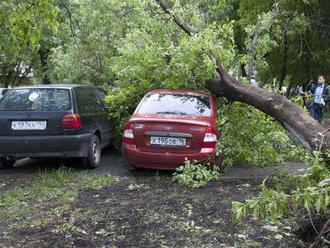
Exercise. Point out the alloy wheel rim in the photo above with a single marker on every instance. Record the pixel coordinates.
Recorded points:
(96, 152)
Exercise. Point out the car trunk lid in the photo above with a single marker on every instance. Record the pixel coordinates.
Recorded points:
(186, 132)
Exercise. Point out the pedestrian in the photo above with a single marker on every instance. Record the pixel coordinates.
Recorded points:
(320, 92)
(309, 85)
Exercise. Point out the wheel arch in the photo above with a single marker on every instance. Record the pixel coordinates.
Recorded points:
(98, 133)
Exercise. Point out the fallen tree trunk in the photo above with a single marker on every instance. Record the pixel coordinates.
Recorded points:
(295, 119)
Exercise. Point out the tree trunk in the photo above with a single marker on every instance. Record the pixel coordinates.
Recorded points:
(309, 132)
(284, 61)
(43, 54)
(10, 73)
(240, 47)
(289, 89)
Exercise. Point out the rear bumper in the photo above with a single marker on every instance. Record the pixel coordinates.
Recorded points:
(164, 161)
(59, 146)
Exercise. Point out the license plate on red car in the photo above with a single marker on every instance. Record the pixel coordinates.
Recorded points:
(167, 141)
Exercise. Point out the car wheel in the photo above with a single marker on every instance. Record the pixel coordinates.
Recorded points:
(93, 159)
(8, 164)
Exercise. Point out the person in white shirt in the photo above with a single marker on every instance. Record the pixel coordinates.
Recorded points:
(320, 91)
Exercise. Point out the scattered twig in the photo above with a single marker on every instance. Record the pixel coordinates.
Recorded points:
(320, 237)
(312, 222)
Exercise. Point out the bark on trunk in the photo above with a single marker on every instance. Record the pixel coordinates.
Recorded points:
(43, 54)
(240, 47)
(284, 61)
(309, 132)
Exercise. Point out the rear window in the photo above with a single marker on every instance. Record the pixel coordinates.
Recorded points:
(36, 100)
(175, 104)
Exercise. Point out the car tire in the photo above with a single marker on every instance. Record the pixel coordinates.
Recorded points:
(93, 159)
(8, 164)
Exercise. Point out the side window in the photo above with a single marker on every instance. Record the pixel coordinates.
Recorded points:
(86, 100)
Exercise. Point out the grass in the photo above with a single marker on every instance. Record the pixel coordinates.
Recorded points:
(59, 185)
(135, 212)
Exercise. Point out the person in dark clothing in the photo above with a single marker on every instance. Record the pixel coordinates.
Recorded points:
(309, 85)
(320, 91)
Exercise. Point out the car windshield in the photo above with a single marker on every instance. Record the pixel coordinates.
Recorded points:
(175, 104)
(36, 100)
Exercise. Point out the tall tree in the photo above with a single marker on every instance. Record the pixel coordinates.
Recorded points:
(22, 26)
(133, 43)
(297, 121)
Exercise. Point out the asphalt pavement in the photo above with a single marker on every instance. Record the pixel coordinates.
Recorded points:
(113, 164)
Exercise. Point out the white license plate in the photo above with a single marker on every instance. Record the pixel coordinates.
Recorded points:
(167, 141)
(28, 125)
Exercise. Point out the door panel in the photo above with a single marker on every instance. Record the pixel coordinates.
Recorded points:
(105, 120)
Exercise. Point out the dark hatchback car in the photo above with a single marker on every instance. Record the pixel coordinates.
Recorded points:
(58, 121)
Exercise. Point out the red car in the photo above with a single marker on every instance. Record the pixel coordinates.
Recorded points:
(169, 126)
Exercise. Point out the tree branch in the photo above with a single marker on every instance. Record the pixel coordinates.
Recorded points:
(182, 24)
(252, 46)
(319, 238)
(23, 76)
(70, 19)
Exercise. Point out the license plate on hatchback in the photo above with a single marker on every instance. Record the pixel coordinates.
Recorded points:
(28, 125)
(167, 141)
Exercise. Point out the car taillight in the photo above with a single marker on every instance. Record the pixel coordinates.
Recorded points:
(128, 137)
(71, 121)
(210, 138)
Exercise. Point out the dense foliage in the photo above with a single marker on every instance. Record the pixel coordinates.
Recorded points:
(195, 175)
(25, 27)
(259, 140)
(111, 42)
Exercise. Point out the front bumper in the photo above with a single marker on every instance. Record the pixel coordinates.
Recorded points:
(164, 161)
(58, 146)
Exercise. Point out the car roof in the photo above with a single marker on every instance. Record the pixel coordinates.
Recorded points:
(192, 92)
(55, 86)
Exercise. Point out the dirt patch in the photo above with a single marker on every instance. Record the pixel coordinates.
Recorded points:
(150, 212)
(9, 180)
